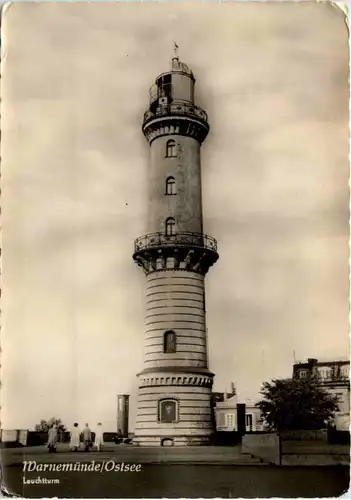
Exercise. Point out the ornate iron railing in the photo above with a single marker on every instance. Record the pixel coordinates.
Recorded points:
(176, 108)
(179, 239)
(332, 378)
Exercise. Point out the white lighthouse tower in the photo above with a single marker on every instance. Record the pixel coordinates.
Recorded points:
(174, 399)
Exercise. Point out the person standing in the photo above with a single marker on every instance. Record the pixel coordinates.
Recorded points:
(74, 438)
(87, 437)
(331, 430)
(52, 438)
(99, 437)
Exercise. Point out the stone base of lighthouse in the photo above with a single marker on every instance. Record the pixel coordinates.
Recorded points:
(175, 388)
(191, 393)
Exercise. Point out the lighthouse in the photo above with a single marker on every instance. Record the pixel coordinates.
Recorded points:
(175, 385)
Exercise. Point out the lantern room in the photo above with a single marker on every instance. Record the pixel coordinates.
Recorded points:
(176, 85)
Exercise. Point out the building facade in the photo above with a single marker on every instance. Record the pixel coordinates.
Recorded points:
(333, 376)
(174, 397)
(226, 413)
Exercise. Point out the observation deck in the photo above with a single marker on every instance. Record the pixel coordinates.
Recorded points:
(176, 117)
(177, 108)
(185, 239)
(195, 251)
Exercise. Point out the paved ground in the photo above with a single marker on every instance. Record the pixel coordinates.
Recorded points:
(180, 472)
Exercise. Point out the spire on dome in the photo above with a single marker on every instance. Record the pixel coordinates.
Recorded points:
(175, 48)
(177, 65)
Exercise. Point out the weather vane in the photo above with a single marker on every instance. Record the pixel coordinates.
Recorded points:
(175, 49)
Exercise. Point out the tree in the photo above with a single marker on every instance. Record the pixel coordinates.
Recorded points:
(296, 404)
(45, 425)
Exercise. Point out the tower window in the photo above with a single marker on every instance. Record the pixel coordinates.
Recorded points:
(169, 342)
(168, 410)
(164, 84)
(171, 149)
(170, 226)
(171, 186)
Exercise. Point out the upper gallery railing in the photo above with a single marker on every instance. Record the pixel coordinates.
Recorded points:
(176, 108)
(179, 239)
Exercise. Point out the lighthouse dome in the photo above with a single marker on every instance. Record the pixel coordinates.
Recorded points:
(180, 67)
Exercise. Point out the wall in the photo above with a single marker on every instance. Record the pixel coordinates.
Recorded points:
(343, 395)
(342, 422)
(22, 437)
(264, 446)
(194, 415)
(225, 417)
(186, 206)
(295, 448)
(175, 301)
(320, 435)
(15, 436)
(37, 438)
(8, 436)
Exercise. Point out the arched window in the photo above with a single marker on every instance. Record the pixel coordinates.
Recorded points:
(169, 342)
(171, 149)
(171, 185)
(170, 226)
(168, 410)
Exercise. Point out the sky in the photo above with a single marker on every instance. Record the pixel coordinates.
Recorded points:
(273, 78)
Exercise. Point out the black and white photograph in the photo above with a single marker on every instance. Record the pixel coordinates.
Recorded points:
(175, 250)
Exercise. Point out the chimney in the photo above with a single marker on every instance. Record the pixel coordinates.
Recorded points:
(123, 414)
(312, 361)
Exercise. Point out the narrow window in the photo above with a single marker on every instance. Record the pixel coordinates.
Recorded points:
(167, 410)
(170, 226)
(230, 420)
(171, 186)
(169, 342)
(249, 422)
(171, 149)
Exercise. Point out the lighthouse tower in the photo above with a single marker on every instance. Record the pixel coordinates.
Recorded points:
(174, 399)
